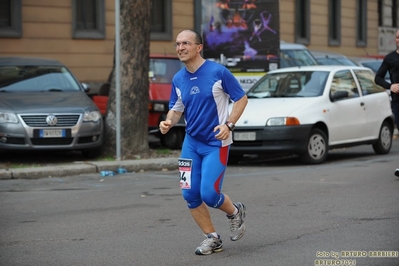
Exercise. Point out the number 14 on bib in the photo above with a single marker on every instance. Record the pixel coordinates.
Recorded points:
(185, 173)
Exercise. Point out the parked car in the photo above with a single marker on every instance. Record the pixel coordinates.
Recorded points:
(295, 54)
(161, 71)
(311, 109)
(44, 107)
(291, 54)
(372, 63)
(330, 58)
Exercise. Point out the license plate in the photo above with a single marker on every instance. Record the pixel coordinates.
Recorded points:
(52, 133)
(244, 136)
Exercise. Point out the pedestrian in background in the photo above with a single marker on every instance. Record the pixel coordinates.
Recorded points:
(203, 91)
(391, 64)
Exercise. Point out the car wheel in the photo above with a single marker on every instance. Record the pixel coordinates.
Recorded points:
(384, 142)
(92, 153)
(317, 148)
(173, 139)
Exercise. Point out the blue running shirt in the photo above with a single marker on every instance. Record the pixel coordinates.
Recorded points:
(204, 98)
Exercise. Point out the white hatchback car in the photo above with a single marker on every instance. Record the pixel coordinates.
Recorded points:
(309, 110)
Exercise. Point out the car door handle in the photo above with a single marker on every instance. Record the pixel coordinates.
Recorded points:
(362, 104)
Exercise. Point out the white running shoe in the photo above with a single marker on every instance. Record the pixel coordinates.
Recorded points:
(237, 226)
(209, 245)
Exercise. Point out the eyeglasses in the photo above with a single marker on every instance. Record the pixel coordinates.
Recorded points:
(185, 44)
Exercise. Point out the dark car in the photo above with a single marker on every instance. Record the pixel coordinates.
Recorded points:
(330, 58)
(44, 107)
(372, 63)
(295, 54)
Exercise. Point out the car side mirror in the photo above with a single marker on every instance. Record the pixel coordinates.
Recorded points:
(338, 95)
(86, 87)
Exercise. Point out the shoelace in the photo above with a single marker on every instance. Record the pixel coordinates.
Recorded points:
(209, 241)
(235, 222)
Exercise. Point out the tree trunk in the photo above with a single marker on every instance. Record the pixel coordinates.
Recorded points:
(134, 67)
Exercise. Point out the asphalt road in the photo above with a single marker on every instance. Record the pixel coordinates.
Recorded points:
(345, 210)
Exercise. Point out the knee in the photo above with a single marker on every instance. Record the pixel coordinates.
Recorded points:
(213, 200)
(193, 199)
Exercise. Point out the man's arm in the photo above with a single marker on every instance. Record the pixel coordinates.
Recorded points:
(238, 109)
(236, 112)
(171, 119)
(380, 76)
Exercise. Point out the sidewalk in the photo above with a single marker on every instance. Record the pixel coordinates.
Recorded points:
(89, 167)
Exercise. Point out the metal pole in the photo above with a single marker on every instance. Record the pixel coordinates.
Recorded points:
(117, 80)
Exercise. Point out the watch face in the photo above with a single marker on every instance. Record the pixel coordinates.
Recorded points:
(230, 125)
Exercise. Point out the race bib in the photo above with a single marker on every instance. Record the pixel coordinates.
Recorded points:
(185, 173)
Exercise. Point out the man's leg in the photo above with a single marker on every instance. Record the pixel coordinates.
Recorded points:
(213, 242)
(227, 206)
(395, 111)
(202, 217)
(213, 168)
(197, 207)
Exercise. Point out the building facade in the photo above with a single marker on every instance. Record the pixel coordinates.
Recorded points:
(80, 33)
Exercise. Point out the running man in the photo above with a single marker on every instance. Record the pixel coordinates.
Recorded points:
(203, 90)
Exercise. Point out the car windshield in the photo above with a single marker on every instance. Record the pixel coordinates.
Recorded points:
(162, 70)
(290, 84)
(293, 57)
(36, 79)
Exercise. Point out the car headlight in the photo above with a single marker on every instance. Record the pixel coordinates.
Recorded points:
(283, 121)
(89, 116)
(8, 118)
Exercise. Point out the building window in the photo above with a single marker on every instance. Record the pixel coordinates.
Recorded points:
(361, 31)
(395, 13)
(10, 19)
(334, 22)
(302, 22)
(380, 14)
(388, 13)
(88, 20)
(161, 20)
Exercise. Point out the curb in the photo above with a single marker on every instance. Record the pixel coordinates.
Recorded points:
(91, 167)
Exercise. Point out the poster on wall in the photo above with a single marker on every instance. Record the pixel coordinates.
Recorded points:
(242, 35)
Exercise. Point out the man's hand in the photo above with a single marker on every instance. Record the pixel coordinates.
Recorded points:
(224, 132)
(164, 126)
(395, 88)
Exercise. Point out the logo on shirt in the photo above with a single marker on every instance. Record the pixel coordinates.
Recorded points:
(194, 90)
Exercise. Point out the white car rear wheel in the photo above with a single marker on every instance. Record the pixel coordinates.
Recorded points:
(384, 142)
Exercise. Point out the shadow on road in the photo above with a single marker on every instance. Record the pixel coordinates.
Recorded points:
(293, 160)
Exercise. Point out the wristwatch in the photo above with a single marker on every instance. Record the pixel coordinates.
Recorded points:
(230, 125)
